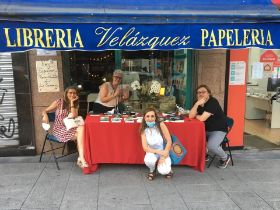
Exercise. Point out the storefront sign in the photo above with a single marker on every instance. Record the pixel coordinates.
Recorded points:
(19, 36)
(269, 56)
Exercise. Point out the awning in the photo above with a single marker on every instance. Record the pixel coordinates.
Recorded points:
(136, 25)
(144, 11)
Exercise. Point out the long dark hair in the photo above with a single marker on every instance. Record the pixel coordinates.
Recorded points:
(66, 102)
(143, 124)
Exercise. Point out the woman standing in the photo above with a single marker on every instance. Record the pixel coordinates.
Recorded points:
(208, 110)
(64, 107)
(153, 134)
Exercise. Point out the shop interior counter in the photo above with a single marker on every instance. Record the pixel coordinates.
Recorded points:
(258, 106)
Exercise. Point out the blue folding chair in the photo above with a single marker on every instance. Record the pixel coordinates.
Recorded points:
(52, 139)
(225, 142)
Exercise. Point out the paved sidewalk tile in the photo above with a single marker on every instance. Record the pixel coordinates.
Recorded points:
(252, 183)
(249, 200)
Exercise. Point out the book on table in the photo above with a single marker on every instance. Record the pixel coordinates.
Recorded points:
(104, 119)
(129, 120)
(116, 120)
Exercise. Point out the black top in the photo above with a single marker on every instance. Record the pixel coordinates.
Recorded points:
(217, 121)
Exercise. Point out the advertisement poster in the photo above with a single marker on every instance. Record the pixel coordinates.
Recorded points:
(237, 73)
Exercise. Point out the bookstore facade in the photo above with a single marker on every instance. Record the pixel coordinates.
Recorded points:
(178, 45)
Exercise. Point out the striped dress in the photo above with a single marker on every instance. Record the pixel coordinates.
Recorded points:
(59, 130)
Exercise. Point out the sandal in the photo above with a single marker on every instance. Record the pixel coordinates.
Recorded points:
(82, 164)
(169, 175)
(151, 176)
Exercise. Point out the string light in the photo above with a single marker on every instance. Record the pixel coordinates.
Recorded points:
(101, 58)
(96, 59)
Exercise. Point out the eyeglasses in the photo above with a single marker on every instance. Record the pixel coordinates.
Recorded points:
(201, 92)
(116, 77)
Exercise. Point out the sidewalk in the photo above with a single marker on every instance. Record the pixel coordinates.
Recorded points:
(252, 183)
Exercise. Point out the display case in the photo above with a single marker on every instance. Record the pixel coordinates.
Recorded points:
(146, 67)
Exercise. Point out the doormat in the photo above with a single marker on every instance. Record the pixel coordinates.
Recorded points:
(256, 142)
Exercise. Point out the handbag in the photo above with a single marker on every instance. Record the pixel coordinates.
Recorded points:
(177, 151)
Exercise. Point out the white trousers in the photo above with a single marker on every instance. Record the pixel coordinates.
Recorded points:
(151, 159)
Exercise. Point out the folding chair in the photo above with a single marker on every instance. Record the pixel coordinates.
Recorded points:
(225, 142)
(52, 139)
(91, 98)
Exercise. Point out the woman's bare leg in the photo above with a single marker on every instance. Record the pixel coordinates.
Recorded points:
(80, 143)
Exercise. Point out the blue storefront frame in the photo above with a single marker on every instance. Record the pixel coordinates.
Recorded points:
(134, 25)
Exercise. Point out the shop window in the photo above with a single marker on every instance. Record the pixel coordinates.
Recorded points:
(147, 65)
(169, 68)
(88, 70)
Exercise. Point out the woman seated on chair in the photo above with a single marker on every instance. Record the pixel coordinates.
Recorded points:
(63, 107)
(208, 110)
(154, 134)
(110, 94)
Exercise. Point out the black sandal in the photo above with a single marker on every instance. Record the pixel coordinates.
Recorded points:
(151, 176)
(169, 175)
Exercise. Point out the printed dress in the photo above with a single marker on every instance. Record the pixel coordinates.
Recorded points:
(59, 130)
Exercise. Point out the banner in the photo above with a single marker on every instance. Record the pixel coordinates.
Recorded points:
(21, 36)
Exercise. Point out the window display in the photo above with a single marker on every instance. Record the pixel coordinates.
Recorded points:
(147, 72)
(155, 78)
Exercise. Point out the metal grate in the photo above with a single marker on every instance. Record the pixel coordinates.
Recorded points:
(8, 110)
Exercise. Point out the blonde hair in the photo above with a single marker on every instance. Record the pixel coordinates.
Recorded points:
(118, 73)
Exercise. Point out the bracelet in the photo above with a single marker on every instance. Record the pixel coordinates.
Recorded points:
(72, 107)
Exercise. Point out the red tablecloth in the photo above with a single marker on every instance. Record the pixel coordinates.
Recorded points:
(107, 142)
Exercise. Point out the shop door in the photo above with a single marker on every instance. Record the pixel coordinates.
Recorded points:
(262, 115)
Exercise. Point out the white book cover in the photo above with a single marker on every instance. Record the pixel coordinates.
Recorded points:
(178, 121)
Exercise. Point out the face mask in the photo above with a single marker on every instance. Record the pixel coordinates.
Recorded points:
(151, 124)
(46, 126)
